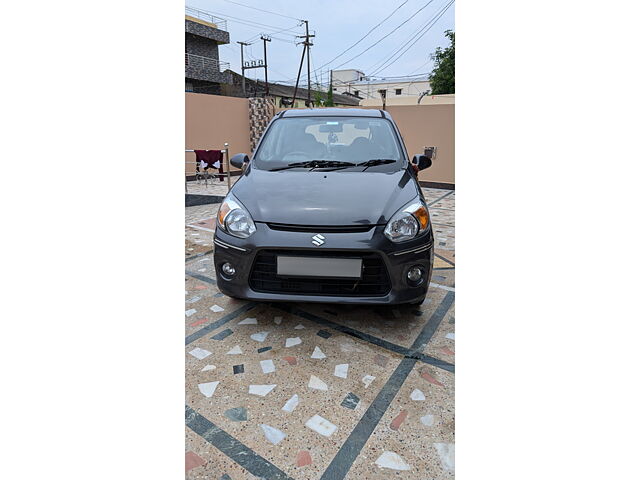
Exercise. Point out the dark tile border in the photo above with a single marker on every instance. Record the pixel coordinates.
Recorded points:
(342, 462)
(411, 353)
(444, 186)
(193, 200)
(218, 323)
(440, 198)
(232, 448)
(202, 278)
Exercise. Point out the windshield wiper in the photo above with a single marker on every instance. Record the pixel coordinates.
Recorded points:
(315, 164)
(374, 161)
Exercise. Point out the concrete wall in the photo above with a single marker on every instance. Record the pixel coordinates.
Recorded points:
(425, 126)
(205, 29)
(370, 89)
(413, 100)
(212, 120)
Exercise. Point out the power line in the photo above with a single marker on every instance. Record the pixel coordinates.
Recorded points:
(260, 9)
(362, 38)
(434, 21)
(241, 20)
(386, 36)
(406, 40)
(272, 33)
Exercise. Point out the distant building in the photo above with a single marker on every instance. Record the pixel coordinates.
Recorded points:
(355, 82)
(204, 72)
(282, 95)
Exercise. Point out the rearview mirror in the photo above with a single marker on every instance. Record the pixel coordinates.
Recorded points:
(331, 127)
(421, 161)
(239, 159)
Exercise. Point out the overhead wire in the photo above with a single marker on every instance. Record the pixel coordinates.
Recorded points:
(432, 24)
(260, 9)
(411, 36)
(243, 20)
(363, 37)
(385, 36)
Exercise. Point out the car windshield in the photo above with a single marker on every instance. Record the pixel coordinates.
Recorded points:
(335, 143)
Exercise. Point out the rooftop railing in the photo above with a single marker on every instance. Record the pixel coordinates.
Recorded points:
(205, 63)
(220, 23)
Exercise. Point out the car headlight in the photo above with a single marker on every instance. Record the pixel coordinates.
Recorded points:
(234, 219)
(408, 222)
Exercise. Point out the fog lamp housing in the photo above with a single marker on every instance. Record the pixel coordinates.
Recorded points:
(228, 269)
(415, 275)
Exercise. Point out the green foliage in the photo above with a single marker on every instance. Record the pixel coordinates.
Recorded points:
(317, 99)
(329, 101)
(443, 76)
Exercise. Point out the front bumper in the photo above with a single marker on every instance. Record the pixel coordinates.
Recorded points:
(397, 258)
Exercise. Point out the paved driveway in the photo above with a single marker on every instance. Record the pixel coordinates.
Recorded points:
(318, 391)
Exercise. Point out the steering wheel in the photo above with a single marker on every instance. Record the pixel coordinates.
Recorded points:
(298, 153)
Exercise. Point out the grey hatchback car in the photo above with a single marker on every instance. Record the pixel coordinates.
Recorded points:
(329, 209)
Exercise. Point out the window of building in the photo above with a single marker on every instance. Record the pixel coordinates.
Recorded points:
(356, 92)
(398, 91)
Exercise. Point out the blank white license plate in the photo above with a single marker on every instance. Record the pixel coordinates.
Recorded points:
(319, 267)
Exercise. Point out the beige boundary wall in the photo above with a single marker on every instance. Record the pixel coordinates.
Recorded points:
(429, 126)
(212, 120)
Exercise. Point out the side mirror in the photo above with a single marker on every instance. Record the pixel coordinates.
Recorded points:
(239, 159)
(421, 161)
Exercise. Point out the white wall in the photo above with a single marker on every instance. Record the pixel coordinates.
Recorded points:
(370, 89)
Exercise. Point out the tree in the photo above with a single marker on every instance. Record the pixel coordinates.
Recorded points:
(443, 76)
(329, 101)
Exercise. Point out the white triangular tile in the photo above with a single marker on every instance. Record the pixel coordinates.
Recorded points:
(200, 353)
(291, 404)
(317, 353)
(315, 382)
(260, 390)
(208, 389)
(417, 395)
(367, 379)
(341, 370)
(249, 321)
(260, 336)
(267, 366)
(321, 425)
(272, 434)
(393, 461)
(291, 342)
(446, 451)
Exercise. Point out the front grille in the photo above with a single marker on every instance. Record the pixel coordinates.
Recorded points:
(374, 282)
(321, 228)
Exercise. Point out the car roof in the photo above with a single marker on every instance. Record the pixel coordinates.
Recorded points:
(334, 112)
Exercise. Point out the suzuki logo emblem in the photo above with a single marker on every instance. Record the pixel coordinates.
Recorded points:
(317, 240)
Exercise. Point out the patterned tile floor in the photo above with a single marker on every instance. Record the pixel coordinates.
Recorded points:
(318, 391)
(212, 187)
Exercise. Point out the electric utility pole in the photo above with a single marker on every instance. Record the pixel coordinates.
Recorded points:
(242, 45)
(295, 90)
(265, 39)
(254, 64)
(307, 45)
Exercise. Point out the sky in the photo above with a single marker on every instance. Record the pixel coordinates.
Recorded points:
(337, 24)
